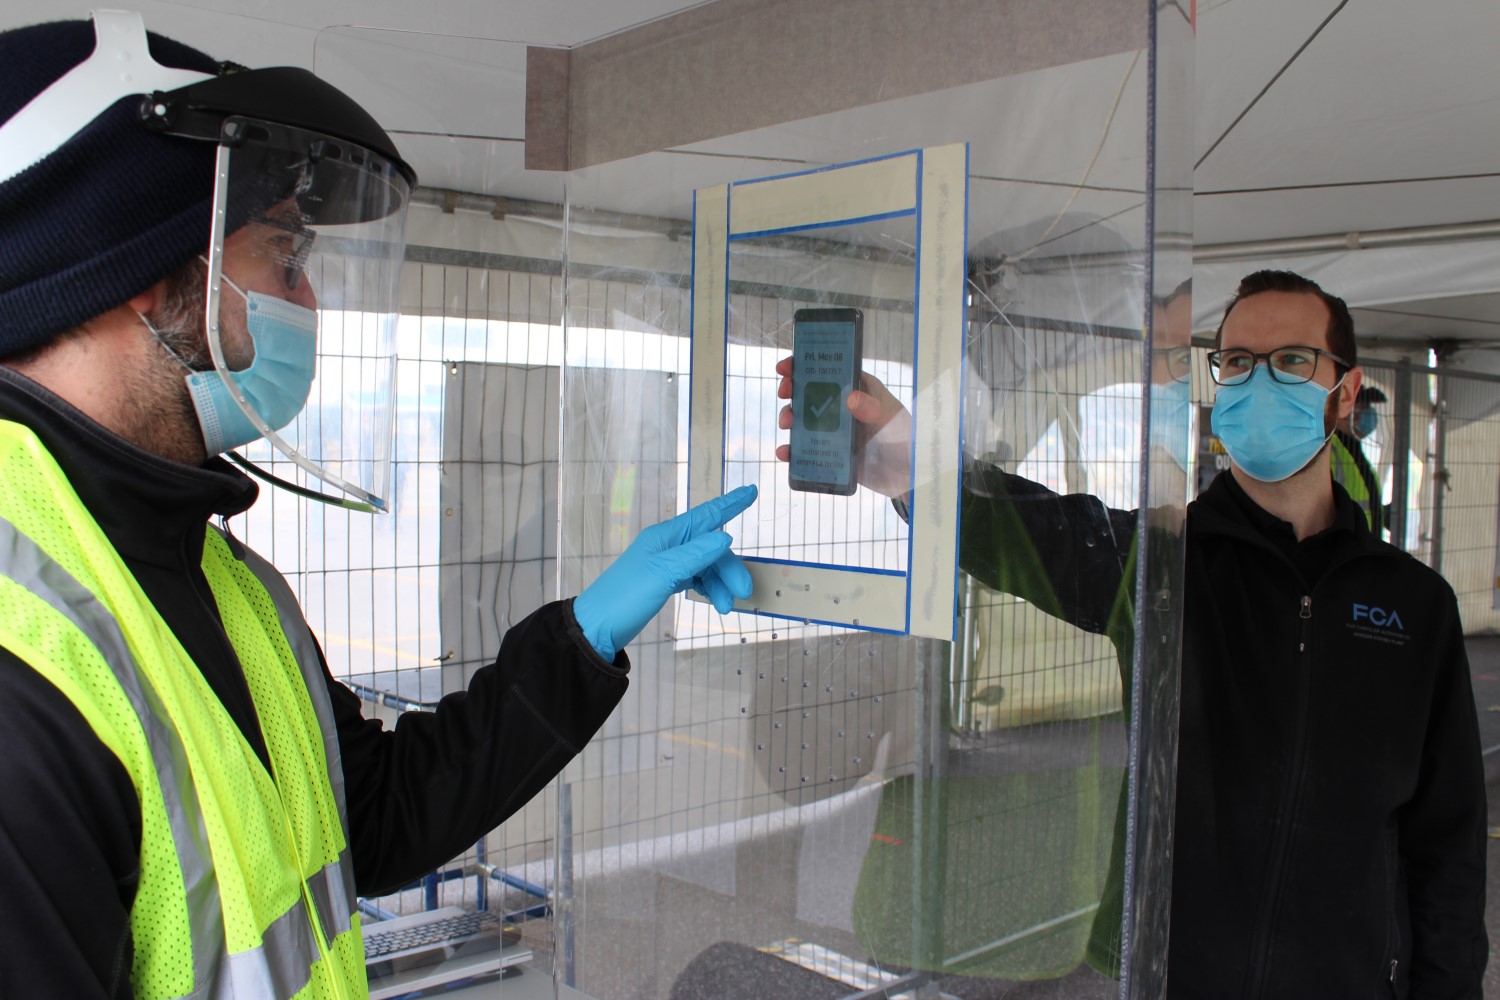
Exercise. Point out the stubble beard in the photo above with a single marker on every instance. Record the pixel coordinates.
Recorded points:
(156, 408)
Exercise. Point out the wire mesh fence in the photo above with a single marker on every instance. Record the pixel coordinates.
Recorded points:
(741, 722)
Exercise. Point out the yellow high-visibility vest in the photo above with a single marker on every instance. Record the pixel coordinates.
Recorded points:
(1347, 473)
(246, 884)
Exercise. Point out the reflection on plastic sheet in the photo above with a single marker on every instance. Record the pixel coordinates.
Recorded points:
(782, 807)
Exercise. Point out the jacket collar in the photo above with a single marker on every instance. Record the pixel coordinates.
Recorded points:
(149, 507)
(1226, 509)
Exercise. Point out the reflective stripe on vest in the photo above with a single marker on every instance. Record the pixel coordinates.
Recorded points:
(70, 609)
(23, 562)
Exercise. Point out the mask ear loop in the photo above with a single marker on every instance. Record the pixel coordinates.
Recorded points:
(365, 501)
(1329, 436)
(156, 335)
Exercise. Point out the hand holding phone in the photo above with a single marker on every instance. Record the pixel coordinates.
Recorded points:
(827, 355)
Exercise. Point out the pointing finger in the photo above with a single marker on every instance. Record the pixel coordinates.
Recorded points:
(713, 514)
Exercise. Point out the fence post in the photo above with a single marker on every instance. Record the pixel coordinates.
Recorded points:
(1401, 453)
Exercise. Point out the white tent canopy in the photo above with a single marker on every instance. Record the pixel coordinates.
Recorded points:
(1368, 124)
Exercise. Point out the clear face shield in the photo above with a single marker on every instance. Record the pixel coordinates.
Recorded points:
(304, 268)
(304, 258)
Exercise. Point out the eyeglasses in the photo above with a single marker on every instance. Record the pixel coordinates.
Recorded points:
(1289, 365)
(1178, 361)
(290, 250)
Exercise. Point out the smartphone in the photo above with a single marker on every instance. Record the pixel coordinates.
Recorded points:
(827, 357)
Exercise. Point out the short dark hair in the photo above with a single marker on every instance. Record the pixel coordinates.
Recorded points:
(1340, 323)
(1369, 396)
(1185, 287)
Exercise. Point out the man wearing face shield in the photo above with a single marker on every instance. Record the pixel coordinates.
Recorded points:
(192, 803)
(1351, 467)
(1329, 836)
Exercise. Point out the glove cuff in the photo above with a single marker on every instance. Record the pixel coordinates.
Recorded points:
(594, 628)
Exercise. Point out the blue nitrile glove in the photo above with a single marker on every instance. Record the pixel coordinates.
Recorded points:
(665, 559)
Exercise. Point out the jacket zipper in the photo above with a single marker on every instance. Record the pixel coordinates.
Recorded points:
(1259, 957)
(1393, 933)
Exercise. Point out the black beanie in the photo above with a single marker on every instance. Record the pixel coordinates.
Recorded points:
(108, 214)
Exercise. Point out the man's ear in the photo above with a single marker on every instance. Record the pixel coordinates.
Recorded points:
(1349, 390)
(146, 302)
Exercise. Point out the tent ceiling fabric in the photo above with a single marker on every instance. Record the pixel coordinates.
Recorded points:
(1389, 117)
(1387, 92)
(1403, 297)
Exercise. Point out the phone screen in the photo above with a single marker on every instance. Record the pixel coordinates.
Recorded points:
(827, 348)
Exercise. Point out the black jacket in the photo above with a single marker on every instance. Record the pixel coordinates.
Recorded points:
(1330, 812)
(418, 795)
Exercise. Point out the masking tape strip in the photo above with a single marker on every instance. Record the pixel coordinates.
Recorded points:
(934, 184)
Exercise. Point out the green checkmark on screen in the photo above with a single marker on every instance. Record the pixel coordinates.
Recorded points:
(820, 406)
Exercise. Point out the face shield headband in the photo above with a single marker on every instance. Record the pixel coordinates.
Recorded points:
(120, 66)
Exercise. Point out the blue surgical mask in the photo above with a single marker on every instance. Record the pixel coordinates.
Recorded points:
(1270, 429)
(1365, 422)
(276, 384)
(1171, 411)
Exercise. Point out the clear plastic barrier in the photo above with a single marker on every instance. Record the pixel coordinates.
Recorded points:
(792, 808)
(786, 805)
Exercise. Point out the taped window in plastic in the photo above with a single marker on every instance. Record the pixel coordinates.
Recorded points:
(815, 557)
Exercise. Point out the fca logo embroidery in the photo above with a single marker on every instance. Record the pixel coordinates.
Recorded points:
(1378, 617)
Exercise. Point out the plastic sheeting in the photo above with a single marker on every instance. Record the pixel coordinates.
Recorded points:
(791, 805)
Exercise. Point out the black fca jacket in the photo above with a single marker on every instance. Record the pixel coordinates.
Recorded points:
(1330, 823)
(418, 795)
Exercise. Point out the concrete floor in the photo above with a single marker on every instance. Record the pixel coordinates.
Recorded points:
(1083, 984)
(1484, 668)
(687, 930)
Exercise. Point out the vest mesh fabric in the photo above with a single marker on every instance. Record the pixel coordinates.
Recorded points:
(288, 723)
(265, 841)
(37, 506)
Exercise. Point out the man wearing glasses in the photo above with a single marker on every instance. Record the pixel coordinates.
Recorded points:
(1330, 815)
(1330, 793)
